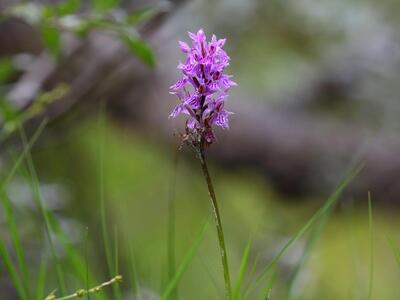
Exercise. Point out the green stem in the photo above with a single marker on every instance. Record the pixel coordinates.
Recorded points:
(218, 223)
(81, 293)
(371, 248)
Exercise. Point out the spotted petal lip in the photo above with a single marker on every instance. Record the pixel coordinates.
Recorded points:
(203, 88)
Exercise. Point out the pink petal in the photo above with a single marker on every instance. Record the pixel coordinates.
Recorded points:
(184, 47)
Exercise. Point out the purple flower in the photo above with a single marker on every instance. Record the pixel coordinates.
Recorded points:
(203, 89)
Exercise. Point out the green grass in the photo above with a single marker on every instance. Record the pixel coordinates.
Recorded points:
(41, 281)
(34, 181)
(396, 250)
(112, 265)
(270, 268)
(12, 271)
(21, 281)
(86, 255)
(242, 271)
(19, 271)
(142, 223)
(184, 264)
(16, 242)
(133, 274)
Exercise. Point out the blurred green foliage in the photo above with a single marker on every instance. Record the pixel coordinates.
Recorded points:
(136, 187)
(69, 16)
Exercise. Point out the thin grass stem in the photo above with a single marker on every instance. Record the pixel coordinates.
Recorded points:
(133, 273)
(116, 289)
(41, 280)
(371, 248)
(86, 254)
(395, 249)
(6, 258)
(16, 240)
(242, 270)
(40, 203)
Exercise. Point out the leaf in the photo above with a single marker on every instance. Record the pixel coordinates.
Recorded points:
(140, 49)
(102, 6)
(140, 15)
(6, 69)
(87, 25)
(7, 112)
(68, 7)
(51, 39)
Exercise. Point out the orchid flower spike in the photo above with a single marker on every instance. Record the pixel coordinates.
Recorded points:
(203, 88)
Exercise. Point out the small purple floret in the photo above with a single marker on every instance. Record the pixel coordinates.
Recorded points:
(203, 89)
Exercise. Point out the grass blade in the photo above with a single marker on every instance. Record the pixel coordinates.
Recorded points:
(317, 216)
(268, 287)
(12, 271)
(9, 214)
(133, 273)
(395, 249)
(117, 291)
(27, 147)
(41, 281)
(16, 240)
(86, 253)
(210, 274)
(22, 289)
(75, 260)
(312, 240)
(371, 248)
(101, 130)
(34, 181)
(185, 264)
(101, 180)
(242, 270)
(251, 274)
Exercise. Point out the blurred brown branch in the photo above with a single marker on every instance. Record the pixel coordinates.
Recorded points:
(300, 154)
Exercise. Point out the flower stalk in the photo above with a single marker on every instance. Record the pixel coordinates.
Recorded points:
(218, 223)
(202, 92)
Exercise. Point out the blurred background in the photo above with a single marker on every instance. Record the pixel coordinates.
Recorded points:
(318, 85)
